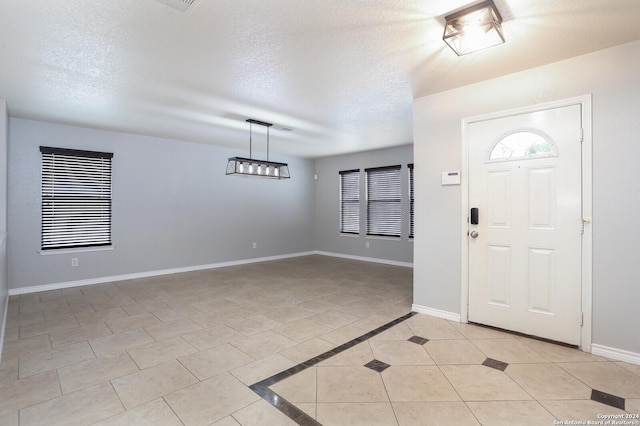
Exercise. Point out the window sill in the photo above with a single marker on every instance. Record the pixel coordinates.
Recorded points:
(347, 234)
(75, 250)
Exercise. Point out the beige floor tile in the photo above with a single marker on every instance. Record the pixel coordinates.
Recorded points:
(511, 351)
(358, 355)
(508, 413)
(48, 327)
(635, 369)
(254, 324)
(606, 377)
(80, 334)
(103, 302)
(11, 333)
(417, 383)
(171, 314)
(582, 410)
(559, 353)
(433, 413)
(262, 344)
(98, 318)
(400, 353)
(133, 322)
(214, 361)
(261, 369)
(141, 308)
(22, 347)
(26, 319)
(632, 406)
(335, 319)
(71, 309)
(307, 350)
(173, 328)
(317, 306)
(397, 332)
(343, 335)
(309, 408)
(8, 370)
(226, 421)
(209, 401)
(43, 306)
(356, 414)
(547, 381)
(288, 314)
(155, 353)
(56, 358)
(119, 342)
(211, 337)
(302, 330)
(481, 383)
(21, 393)
(78, 408)
(432, 328)
(154, 413)
(262, 413)
(473, 331)
(298, 388)
(454, 352)
(350, 384)
(94, 371)
(9, 419)
(146, 385)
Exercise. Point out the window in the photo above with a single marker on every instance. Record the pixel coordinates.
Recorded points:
(410, 200)
(522, 145)
(384, 201)
(350, 201)
(76, 198)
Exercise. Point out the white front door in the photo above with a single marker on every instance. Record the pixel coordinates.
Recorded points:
(525, 250)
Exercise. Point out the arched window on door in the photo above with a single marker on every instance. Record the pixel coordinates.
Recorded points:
(523, 144)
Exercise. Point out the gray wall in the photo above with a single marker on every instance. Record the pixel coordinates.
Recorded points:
(4, 283)
(611, 76)
(328, 237)
(173, 206)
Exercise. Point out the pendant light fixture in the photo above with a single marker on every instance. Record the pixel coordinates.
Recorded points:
(252, 167)
(473, 28)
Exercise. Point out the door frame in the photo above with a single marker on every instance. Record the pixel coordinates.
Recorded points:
(587, 200)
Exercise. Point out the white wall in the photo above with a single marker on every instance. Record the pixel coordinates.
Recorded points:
(173, 206)
(611, 76)
(4, 283)
(328, 237)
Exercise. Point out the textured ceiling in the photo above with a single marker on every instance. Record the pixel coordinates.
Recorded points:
(341, 74)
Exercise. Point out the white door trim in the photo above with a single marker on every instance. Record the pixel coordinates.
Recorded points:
(587, 191)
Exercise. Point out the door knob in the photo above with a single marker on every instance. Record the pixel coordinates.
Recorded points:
(473, 234)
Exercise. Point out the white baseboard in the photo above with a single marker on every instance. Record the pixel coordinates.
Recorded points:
(101, 280)
(366, 259)
(451, 316)
(617, 354)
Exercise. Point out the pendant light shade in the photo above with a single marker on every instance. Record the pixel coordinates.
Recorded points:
(473, 28)
(252, 167)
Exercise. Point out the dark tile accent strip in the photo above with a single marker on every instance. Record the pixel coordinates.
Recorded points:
(607, 398)
(377, 365)
(494, 363)
(290, 410)
(418, 340)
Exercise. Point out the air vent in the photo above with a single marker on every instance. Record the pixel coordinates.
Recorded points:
(184, 6)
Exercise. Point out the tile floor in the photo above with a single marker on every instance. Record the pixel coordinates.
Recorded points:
(310, 340)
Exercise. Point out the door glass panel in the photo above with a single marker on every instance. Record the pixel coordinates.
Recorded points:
(522, 145)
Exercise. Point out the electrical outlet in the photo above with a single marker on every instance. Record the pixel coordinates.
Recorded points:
(74, 262)
(366, 244)
(255, 245)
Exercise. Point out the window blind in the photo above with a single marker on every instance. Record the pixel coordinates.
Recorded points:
(350, 201)
(410, 200)
(384, 201)
(76, 198)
